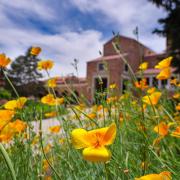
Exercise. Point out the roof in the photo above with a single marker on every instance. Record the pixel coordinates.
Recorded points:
(131, 39)
(155, 71)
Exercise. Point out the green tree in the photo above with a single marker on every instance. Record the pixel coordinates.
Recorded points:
(23, 69)
(170, 27)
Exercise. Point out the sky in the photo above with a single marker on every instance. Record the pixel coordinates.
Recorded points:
(69, 29)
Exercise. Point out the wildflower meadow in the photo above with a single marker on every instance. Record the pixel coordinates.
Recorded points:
(129, 136)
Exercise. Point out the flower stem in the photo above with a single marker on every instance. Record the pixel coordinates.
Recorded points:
(8, 162)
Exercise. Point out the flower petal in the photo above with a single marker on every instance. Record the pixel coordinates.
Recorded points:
(79, 138)
(110, 135)
(100, 154)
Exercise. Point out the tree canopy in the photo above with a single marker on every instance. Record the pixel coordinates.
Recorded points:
(170, 28)
(23, 69)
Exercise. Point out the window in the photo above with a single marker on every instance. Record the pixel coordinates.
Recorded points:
(126, 68)
(155, 82)
(101, 67)
(164, 83)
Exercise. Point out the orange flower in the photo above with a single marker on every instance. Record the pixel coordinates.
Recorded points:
(178, 107)
(46, 65)
(35, 51)
(143, 66)
(5, 117)
(52, 83)
(152, 99)
(176, 96)
(151, 90)
(50, 100)
(91, 115)
(51, 114)
(94, 142)
(161, 129)
(11, 129)
(142, 84)
(165, 175)
(164, 74)
(54, 129)
(113, 86)
(19, 125)
(4, 61)
(15, 104)
(174, 81)
(164, 63)
(176, 133)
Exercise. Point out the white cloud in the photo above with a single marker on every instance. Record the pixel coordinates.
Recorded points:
(126, 15)
(66, 44)
(62, 48)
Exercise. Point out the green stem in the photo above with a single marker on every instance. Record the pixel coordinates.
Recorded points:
(8, 162)
(9, 81)
(44, 154)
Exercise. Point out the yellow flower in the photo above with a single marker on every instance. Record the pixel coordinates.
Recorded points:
(48, 99)
(142, 84)
(151, 90)
(174, 81)
(176, 133)
(113, 86)
(152, 99)
(165, 175)
(143, 66)
(4, 61)
(18, 126)
(51, 114)
(91, 115)
(35, 51)
(5, 117)
(52, 83)
(164, 74)
(164, 63)
(47, 64)
(94, 142)
(15, 104)
(54, 129)
(11, 129)
(176, 96)
(178, 107)
(161, 129)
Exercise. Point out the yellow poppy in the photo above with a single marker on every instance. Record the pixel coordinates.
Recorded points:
(54, 129)
(142, 84)
(165, 175)
(48, 99)
(178, 107)
(176, 133)
(151, 90)
(46, 65)
(113, 86)
(35, 51)
(51, 114)
(5, 117)
(162, 129)
(152, 99)
(176, 96)
(16, 104)
(174, 81)
(52, 83)
(4, 61)
(143, 66)
(164, 74)
(94, 142)
(164, 63)
(18, 126)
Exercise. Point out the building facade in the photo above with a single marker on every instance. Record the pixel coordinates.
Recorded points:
(111, 68)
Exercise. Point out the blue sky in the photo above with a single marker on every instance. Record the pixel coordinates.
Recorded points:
(68, 29)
